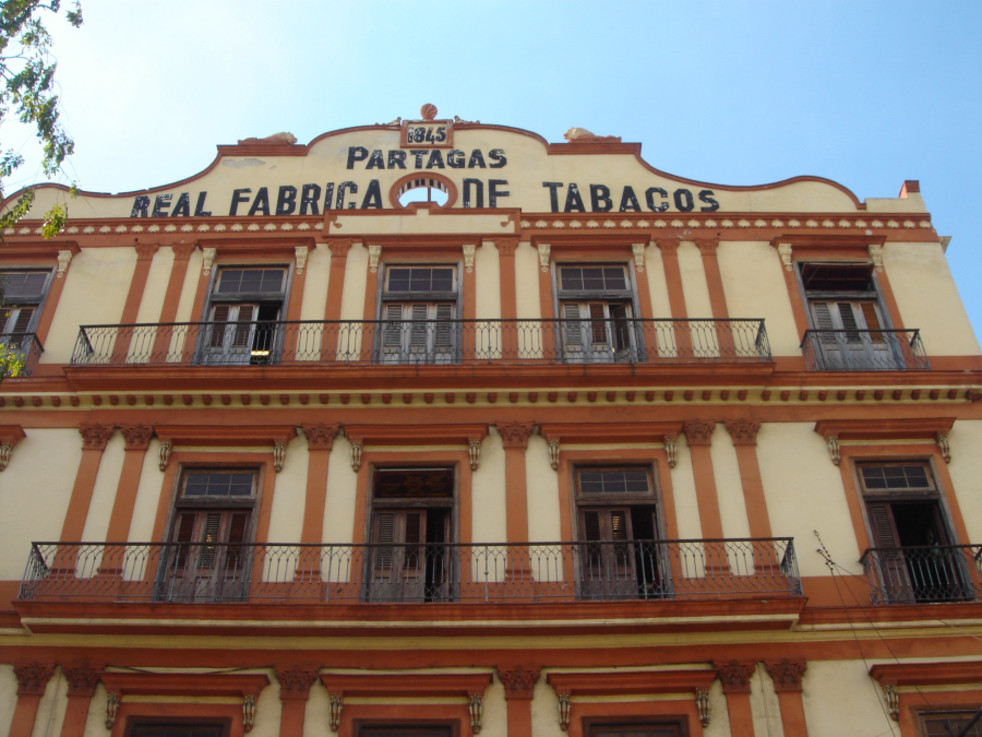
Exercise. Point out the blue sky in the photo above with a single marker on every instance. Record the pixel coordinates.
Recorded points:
(866, 93)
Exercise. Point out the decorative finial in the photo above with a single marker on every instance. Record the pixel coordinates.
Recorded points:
(428, 111)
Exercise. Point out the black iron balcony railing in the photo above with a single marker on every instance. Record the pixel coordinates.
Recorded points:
(452, 572)
(25, 350)
(864, 350)
(926, 573)
(422, 342)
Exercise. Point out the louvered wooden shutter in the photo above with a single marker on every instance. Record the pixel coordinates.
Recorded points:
(219, 315)
(211, 534)
(419, 328)
(443, 337)
(572, 326)
(183, 533)
(23, 320)
(393, 326)
(236, 536)
(872, 321)
(598, 324)
(882, 527)
(243, 328)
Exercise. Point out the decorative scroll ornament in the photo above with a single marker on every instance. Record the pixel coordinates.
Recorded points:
(95, 437)
(834, 451)
(301, 253)
(6, 449)
(356, 449)
(893, 701)
(941, 438)
(374, 257)
(698, 432)
(702, 706)
(475, 709)
(279, 455)
(208, 260)
(474, 453)
(515, 434)
(638, 250)
(544, 249)
(470, 250)
(519, 681)
(64, 258)
(137, 437)
(784, 251)
(32, 678)
(337, 704)
(554, 454)
(876, 255)
(786, 674)
(112, 708)
(165, 449)
(743, 432)
(248, 712)
(564, 708)
(671, 450)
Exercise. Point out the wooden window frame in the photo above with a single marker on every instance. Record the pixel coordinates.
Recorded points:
(133, 723)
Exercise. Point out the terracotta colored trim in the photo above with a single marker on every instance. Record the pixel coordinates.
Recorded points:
(592, 683)
(967, 672)
(468, 283)
(792, 713)
(506, 265)
(126, 490)
(669, 248)
(890, 300)
(415, 685)
(335, 281)
(131, 711)
(620, 432)
(584, 715)
(714, 279)
(226, 435)
(906, 428)
(22, 721)
(515, 437)
(172, 295)
(84, 486)
(417, 434)
(51, 301)
(132, 683)
(371, 309)
(547, 299)
(643, 289)
(320, 441)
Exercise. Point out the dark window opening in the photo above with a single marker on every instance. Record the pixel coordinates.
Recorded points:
(244, 317)
(418, 313)
(951, 724)
(147, 727)
(596, 310)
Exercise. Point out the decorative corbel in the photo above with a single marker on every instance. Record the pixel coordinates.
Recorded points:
(356, 448)
(474, 453)
(833, 442)
(10, 435)
(784, 251)
(248, 712)
(337, 704)
(941, 438)
(6, 449)
(301, 253)
(208, 260)
(671, 450)
(470, 250)
(64, 258)
(638, 250)
(876, 255)
(374, 257)
(544, 249)
(165, 449)
(554, 454)
(279, 455)
(112, 708)
(475, 709)
(702, 706)
(564, 708)
(893, 701)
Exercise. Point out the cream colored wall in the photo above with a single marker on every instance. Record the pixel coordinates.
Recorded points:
(487, 287)
(104, 490)
(654, 272)
(152, 299)
(316, 274)
(186, 303)
(494, 716)
(96, 286)
(342, 488)
(545, 711)
(544, 496)
(268, 710)
(527, 281)
(51, 709)
(719, 720)
(765, 706)
(488, 493)
(148, 495)
(95, 720)
(753, 282)
(928, 298)
(729, 489)
(8, 698)
(36, 488)
(694, 284)
(804, 493)
(356, 276)
(838, 689)
(684, 491)
(965, 440)
(317, 715)
(289, 494)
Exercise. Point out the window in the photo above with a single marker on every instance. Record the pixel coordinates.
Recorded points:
(849, 331)
(950, 724)
(177, 728)
(370, 730)
(914, 557)
(596, 310)
(22, 293)
(209, 558)
(418, 310)
(661, 729)
(411, 558)
(243, 313)
(619, 557)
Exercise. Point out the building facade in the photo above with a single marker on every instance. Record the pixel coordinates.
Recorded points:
(435, 428)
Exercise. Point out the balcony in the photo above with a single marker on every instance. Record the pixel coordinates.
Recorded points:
(864, 350)
(414, 342)
(26, 350)
(375, 574)
(923, 574)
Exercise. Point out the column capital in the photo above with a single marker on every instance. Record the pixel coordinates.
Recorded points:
(32, 678)
(743, 432)
(515, 434)
(295, 682)
(137, 437)
(320, 436)
(183, 251)
(519, 681)
(506, 247)
(146, 251)
(82, 679)
(786, 674)
(706, 246)
(668, 246)
(339, 247)
(735, 676)
(698, 432)
(95, 437)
